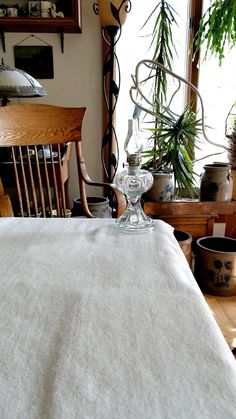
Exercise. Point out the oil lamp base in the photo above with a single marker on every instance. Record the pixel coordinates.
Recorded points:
(134, 220)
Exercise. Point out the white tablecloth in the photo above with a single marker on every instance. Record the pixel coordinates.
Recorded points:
(103, 325)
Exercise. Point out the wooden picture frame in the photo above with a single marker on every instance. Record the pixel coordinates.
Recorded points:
(37, 60)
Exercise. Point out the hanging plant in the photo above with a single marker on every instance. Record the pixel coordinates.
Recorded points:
(217, 28)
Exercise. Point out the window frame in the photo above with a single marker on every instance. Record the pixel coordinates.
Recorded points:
(195, 14)
(192, 65)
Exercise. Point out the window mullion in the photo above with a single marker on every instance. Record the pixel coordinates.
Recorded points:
(195, 14)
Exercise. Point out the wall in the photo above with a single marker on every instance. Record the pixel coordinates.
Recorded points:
(77, 82)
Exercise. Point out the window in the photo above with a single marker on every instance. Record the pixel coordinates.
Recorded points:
(133, 46)
(217, 85)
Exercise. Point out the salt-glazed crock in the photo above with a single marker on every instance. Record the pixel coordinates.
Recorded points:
(216, 182)
(215, 265)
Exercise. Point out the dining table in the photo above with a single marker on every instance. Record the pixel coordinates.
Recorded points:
(100, 324)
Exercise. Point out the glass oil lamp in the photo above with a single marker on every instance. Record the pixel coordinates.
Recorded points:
(230, 132)
(230, 123)
(133, 182)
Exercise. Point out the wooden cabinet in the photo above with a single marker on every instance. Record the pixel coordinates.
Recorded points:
(195, 217)
(71, 22)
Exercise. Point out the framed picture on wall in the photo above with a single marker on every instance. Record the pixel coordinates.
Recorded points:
(34, 8)
(36, 60)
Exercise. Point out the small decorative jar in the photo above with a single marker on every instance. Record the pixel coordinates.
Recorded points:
(216, 183)
(163, 188)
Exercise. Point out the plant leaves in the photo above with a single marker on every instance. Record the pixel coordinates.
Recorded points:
(217, 27)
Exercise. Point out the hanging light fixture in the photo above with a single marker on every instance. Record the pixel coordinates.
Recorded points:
(113, 13)
(17, 83)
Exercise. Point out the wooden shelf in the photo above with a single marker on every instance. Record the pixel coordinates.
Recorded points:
(67, 24)
(20, 24)
(189, 207)
(193, 216)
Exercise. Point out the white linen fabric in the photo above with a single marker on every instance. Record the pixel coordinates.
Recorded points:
(103, 325)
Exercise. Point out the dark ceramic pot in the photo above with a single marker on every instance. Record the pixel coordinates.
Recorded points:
(215, 265)
(98, 206)
(185, 241)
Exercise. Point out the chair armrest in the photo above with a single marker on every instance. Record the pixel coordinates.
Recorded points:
(119, 196)
(5, 203)
(1, 188)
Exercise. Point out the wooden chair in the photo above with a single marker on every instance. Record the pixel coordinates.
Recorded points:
(39, 144)
(5, 203)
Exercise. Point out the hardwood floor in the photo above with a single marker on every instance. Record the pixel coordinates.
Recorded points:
(224, 309)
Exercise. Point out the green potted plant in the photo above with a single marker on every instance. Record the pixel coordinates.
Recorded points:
(172, 135)
(174, 138)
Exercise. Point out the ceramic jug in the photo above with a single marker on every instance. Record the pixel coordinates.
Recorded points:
(47, 9)
(216, 183)
(163, 188)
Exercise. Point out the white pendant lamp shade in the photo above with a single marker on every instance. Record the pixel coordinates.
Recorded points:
(17, 83)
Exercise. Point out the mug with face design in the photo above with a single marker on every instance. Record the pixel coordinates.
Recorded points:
(3, 12)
